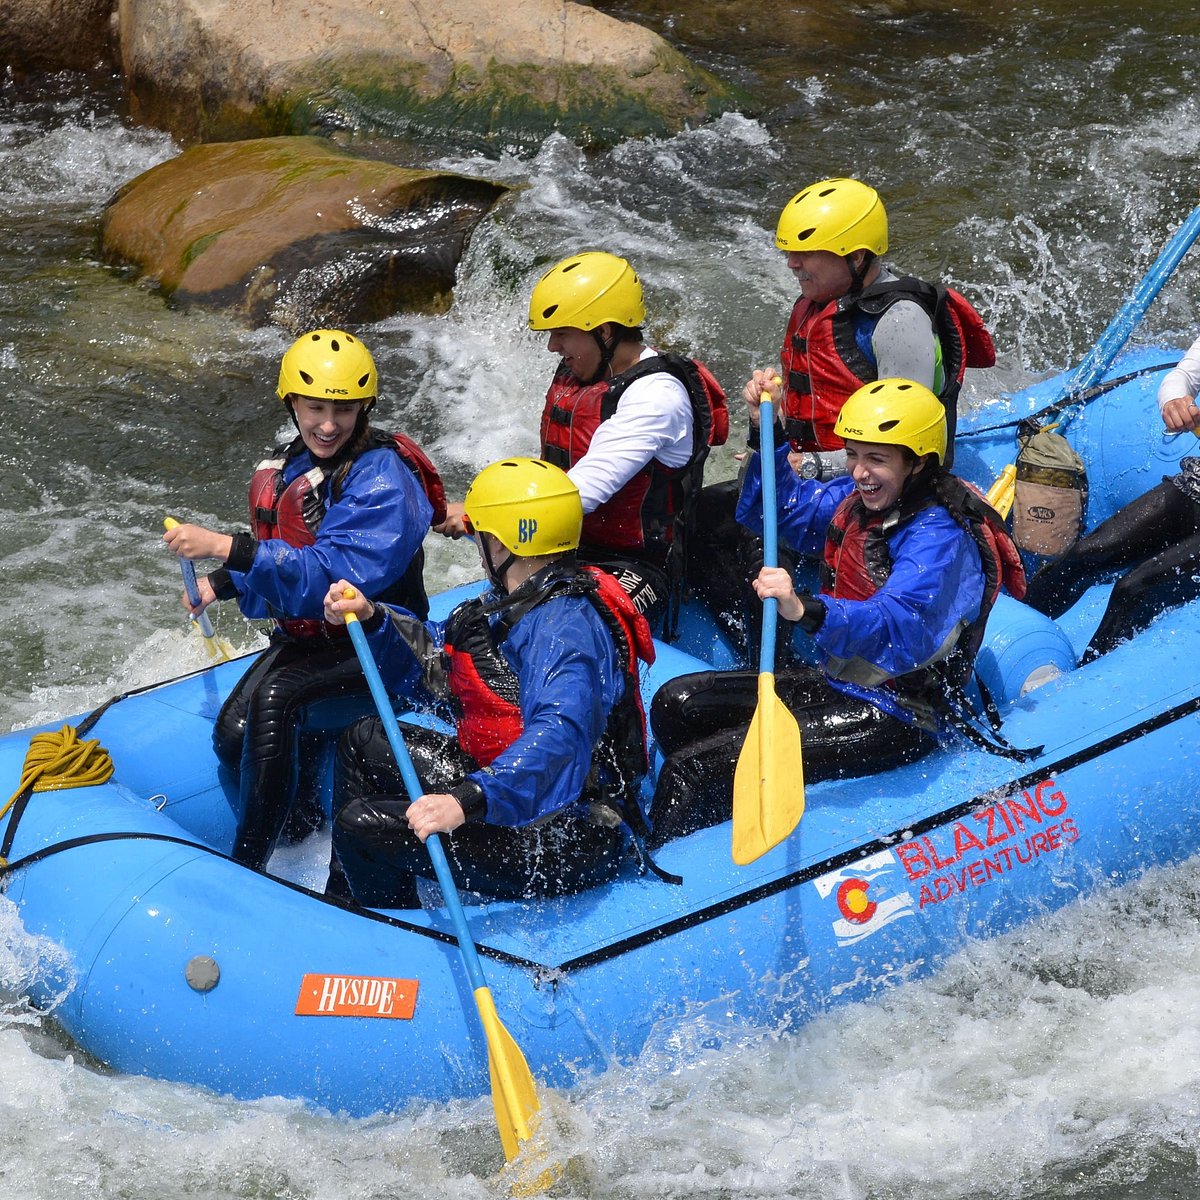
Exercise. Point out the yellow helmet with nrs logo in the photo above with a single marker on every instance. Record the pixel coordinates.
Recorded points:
(838, 215)
(328, 364)
(585, 291)
(531, 507)
(895, 412)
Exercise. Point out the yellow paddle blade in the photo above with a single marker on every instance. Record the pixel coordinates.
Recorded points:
(768, 785)
(217, 647)
(1003, 492)
(514, 1097)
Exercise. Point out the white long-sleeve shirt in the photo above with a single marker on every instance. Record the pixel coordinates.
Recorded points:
(653, 420)
(1183, 379)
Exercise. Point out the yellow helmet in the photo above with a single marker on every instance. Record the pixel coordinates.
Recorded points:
(328, 364)
(586, 290)
(895, 412)
(531, 507)
(838, 215)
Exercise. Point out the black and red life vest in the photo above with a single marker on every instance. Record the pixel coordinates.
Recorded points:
(486, 690)
(857, 562)
(642, 516)
(825, 354)
(293, 513)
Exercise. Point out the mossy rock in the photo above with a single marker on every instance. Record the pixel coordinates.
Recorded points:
(507, 106)
(489, 74)
(295, 231)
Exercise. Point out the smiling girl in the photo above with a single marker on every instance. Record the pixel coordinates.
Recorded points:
(911, 562)
(341, 501)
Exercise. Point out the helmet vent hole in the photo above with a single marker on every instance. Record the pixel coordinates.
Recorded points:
(547, 313)
(307, 378)
(570, 267)
(805, 234)
(362, 380)
(334, 344)
(887, 426)
(827, 192)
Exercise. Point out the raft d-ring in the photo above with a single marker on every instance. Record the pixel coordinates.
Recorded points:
(162, 801)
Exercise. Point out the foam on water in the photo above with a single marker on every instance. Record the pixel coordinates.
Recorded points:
(76, 162)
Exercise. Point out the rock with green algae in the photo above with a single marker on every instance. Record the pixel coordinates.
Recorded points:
(294, 231)
(487, 72)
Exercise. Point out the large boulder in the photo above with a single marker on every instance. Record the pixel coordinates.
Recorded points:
(55, 35)
(295, 231)
(485, 71)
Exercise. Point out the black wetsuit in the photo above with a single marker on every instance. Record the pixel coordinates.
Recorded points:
(1160, 533)
(260, 736)
(376, 860)
(700, 722)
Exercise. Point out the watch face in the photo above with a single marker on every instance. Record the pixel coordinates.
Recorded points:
(810, 468)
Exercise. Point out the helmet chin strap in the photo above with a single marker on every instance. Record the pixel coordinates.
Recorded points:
(607, 350)
(916, 479)
(858, 275)
(496, 573)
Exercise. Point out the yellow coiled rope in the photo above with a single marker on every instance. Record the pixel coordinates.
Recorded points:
(60, 760)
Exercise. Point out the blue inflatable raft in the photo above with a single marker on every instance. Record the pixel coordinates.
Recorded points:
(186, 966)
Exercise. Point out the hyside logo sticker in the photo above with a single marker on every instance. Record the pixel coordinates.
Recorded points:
(862, 893)
(356, 996)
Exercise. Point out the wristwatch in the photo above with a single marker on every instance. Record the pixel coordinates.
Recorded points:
(810, 466)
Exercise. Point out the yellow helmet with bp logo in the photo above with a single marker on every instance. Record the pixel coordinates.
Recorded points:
(895, 412)
(531, 507)
(328, 364)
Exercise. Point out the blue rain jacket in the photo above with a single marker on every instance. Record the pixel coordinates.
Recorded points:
(368, 536)
(936, 581)
(570, 678)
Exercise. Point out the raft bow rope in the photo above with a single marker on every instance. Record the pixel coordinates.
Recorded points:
(57, 761)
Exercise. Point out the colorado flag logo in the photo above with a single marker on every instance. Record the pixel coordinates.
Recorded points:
(861, 894)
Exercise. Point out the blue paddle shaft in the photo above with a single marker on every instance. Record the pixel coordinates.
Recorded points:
(1101, 355)
(193, 594)
(766, 650)
(466, 943)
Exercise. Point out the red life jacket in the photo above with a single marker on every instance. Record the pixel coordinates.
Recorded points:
(857, 559)
(294, 514)
(642, 515)
(826, 357)
(486, 690)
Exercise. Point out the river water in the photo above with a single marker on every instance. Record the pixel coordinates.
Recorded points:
(1036, 156)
